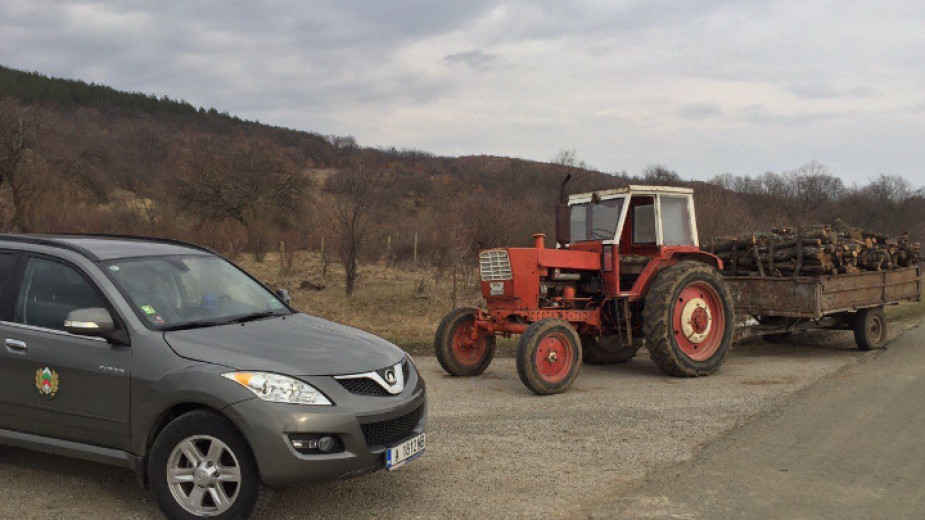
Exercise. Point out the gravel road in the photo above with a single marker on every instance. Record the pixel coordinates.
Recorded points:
(494, 449)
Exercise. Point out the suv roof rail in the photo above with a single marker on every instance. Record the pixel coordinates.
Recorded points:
(53, 240)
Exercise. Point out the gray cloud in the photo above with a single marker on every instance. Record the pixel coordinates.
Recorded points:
(619, 81)
(696, 111)
(476, 58)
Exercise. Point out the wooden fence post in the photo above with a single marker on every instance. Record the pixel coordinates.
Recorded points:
(282, 257)
(324, 261)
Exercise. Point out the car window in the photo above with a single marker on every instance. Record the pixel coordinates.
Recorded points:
(170, 291)
(50, 291)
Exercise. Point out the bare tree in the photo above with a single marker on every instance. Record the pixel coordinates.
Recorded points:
(353, 212)
(21, 128)
(250, 183)
(660, 175)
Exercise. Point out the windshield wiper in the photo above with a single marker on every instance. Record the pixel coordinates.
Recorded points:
(196, 324)
(256, 316)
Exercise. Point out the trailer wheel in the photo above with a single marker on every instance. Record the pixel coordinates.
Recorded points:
(456, 351)
(606, 350)
(870, 328)
(687, 320)
(549, 356)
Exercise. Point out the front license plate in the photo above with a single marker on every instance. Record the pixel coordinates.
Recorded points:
(497, 288)
(397, 457)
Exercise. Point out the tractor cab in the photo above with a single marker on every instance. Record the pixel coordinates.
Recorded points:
(630, 226)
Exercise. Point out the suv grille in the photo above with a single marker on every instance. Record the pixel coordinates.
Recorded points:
(495, 265)
(364, 386)
(386, 433)
(367, 386)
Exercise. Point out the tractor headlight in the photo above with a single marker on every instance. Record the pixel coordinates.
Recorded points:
(279, 389)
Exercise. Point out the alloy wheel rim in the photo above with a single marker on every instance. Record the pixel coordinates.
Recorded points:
(204, 475)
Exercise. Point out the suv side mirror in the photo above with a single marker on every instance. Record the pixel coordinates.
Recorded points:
(94, 321)
(284, 295)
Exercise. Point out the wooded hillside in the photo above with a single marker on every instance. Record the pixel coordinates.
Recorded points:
(78, 157)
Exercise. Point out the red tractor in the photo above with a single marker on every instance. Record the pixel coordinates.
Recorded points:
(627, 271)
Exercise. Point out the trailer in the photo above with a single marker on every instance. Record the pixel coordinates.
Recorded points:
(775, 307)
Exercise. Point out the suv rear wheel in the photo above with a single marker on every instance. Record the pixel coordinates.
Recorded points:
(201, 467)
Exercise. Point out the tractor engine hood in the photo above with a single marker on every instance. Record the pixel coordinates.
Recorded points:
(299, 345)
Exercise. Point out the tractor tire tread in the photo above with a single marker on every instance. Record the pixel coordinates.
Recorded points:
(657, 316)
(525, 353)
(443, 344)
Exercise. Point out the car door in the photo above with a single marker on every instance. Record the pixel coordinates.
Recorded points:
(57, 384)
(8, 284)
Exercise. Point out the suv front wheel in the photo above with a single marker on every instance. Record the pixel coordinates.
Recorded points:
(201, 467)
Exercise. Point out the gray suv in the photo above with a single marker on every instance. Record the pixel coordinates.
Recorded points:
(165, 358)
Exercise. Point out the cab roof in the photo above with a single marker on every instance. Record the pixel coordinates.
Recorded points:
(101, 248)
(632, 190)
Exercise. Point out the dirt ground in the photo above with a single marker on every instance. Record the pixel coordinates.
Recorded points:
(494, 449)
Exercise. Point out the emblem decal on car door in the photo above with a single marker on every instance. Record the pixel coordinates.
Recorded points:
(46, 382)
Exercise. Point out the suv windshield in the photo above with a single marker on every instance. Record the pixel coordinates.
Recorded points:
(185, 291)
(595, 220)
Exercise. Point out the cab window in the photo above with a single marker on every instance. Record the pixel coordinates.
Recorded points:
(50, 291)
(644, 224)
(676, 221)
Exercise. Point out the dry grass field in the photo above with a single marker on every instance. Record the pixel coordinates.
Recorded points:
(403, 304)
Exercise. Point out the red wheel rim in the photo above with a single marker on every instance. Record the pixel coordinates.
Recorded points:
(699, 321)
(468, 351)
(554, 357)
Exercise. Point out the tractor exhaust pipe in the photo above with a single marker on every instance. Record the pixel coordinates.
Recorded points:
(563, 215)
(539, 240)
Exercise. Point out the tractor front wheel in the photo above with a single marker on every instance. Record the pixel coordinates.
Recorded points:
(549, 356)
(458, 352)
(688, 320)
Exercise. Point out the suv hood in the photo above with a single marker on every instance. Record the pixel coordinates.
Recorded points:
(299, 345)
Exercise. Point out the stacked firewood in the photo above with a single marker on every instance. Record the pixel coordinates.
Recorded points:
(814, 250)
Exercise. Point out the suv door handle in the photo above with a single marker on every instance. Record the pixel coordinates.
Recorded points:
(14, 345)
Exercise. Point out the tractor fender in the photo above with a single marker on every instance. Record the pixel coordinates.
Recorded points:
(700, 256)
(668, 258)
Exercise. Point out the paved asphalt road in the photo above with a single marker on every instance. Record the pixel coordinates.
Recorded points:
(853, 447)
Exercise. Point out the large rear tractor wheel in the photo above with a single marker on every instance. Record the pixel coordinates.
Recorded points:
(688, 320)
(549, 356)
(457, 352)
(870, 328)
(606, 350)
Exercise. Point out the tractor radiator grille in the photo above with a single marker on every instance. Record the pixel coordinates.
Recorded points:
(495, 265)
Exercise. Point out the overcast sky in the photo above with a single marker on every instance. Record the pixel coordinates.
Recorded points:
(702, 86)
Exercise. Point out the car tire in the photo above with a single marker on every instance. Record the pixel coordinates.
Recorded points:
(870, 329)
(224, 485)
(455, 351)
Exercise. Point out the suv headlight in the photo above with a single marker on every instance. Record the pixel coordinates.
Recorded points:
(279, 389)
